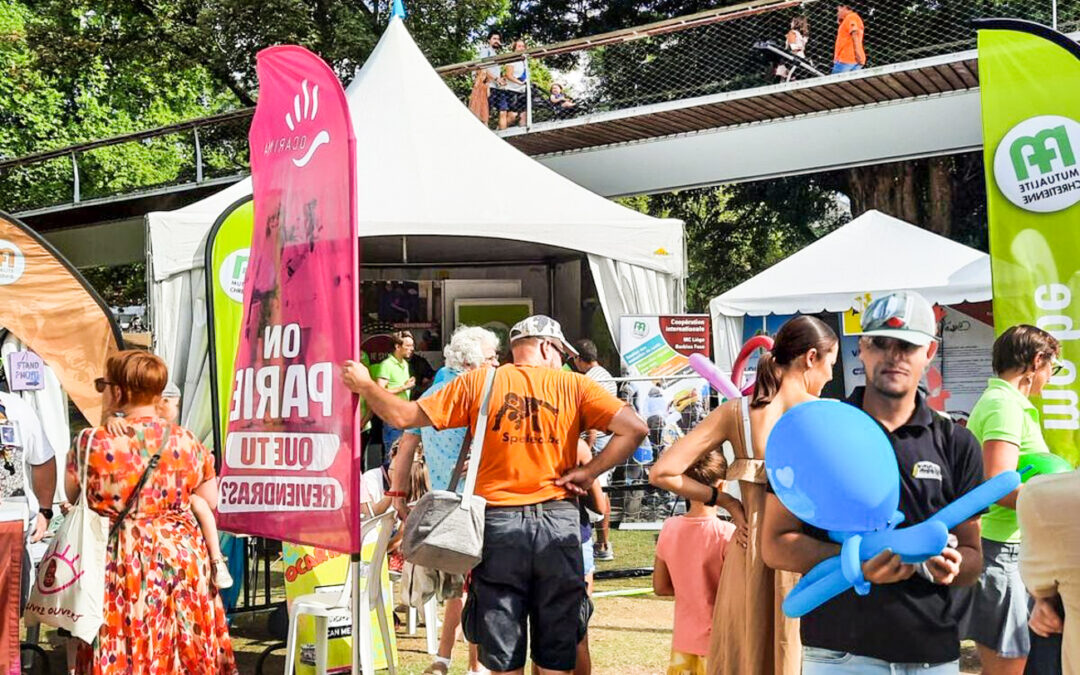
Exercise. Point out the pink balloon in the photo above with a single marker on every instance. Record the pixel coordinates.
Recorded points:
(752, 345)
(720, 382)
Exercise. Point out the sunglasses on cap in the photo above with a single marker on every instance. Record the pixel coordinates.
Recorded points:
(100, 384)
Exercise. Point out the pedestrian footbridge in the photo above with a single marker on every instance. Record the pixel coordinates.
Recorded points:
(682, 103)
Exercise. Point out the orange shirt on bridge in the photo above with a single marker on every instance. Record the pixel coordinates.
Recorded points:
(845, 39)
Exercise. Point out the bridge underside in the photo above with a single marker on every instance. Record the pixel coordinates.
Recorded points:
(893, 113)
(938, 125)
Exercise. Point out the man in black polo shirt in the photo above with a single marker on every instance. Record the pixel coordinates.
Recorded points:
(908, 621)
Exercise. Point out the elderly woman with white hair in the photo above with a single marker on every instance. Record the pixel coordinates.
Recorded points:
(470, 347)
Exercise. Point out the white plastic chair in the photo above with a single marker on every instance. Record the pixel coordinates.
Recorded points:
(431, 624)
(323, 605)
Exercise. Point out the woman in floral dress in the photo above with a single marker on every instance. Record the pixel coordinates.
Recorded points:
(162, 614)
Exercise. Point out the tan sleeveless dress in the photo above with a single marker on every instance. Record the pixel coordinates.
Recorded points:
(750, 634)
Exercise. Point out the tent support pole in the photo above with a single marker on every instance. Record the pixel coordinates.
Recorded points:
(198, 157)
(75, 184)
(551, 286)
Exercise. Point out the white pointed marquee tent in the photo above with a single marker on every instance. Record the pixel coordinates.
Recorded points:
(875, 254)
(435, 186)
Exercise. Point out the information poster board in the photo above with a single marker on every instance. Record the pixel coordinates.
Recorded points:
(659, 347)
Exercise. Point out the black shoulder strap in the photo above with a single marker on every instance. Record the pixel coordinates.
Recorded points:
(134, 496)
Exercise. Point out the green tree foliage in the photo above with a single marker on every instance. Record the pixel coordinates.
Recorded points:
(120, 286)
(736, 232)
(80, 70)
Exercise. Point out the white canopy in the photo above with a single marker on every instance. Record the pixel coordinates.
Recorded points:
(426, 167)
(874, 253)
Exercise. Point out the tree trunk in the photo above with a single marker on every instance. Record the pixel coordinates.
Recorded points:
(889, 188)
(939, 193)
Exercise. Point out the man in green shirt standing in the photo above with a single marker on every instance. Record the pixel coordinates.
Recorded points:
(392, 374)
(1008, 427)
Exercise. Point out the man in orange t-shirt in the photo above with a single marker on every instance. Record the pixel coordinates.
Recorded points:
(848, 54)
(531, 577)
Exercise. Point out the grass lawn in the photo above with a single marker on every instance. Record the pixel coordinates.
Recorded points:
(628, 635)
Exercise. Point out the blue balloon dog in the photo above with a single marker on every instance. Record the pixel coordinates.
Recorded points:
(833, 467)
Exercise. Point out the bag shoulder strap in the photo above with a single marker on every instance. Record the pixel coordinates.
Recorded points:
(134, 496)
(459, 467)
(479, 432)
(82, 454)
(747, 436)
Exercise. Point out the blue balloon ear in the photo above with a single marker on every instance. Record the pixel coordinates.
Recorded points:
(832, 466)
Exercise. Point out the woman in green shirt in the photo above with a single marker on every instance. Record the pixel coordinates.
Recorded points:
(1007, 425)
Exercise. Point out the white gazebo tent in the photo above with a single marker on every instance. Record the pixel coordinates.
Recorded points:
(875, 254)
(435, 187)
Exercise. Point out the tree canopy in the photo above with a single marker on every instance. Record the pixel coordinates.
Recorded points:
(80, 70)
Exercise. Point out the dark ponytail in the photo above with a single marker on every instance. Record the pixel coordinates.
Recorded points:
(795, 338)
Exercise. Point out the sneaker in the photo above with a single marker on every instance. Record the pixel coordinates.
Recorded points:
(222, 578)
(601, 552)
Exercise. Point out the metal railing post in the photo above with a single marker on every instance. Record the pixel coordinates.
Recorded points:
(198, 157)
(75, 196)
(1053, 14)
(528, 97)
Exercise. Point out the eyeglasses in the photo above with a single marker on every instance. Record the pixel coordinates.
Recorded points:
(100, 384)
(886, 344)
(558, 348)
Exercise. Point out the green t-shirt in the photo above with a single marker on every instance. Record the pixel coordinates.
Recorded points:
(395, 372)
(1004, 414)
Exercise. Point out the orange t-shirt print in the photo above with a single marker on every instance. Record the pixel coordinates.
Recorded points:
(534, 422)
(845, 40)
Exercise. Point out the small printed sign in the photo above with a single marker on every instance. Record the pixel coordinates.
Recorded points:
(25, 371)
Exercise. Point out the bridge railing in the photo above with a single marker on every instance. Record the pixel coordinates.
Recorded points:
(188, 153)
(692, 56)
(721, 51)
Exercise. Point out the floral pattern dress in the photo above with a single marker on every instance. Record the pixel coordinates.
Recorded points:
(162, 616)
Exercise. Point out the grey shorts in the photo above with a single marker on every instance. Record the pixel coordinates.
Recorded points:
(997, 607)
(528, 588)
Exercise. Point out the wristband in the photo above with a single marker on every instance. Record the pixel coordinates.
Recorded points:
(395, 493)
(714, 497)
(48, 513)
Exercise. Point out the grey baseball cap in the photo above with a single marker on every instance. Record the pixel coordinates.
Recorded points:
(541, 326)
(904, 315)
(170, 391)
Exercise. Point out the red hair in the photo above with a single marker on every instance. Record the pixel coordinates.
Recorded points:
(141, 376)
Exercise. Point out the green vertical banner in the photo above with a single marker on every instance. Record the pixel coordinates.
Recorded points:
(227, 250)
(1029, 77)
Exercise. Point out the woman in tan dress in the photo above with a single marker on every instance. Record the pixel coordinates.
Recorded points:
(750, 634)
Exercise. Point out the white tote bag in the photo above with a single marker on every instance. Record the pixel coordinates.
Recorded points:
(70, 586)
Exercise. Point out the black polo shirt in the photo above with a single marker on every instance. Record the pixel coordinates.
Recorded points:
(913, 621)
